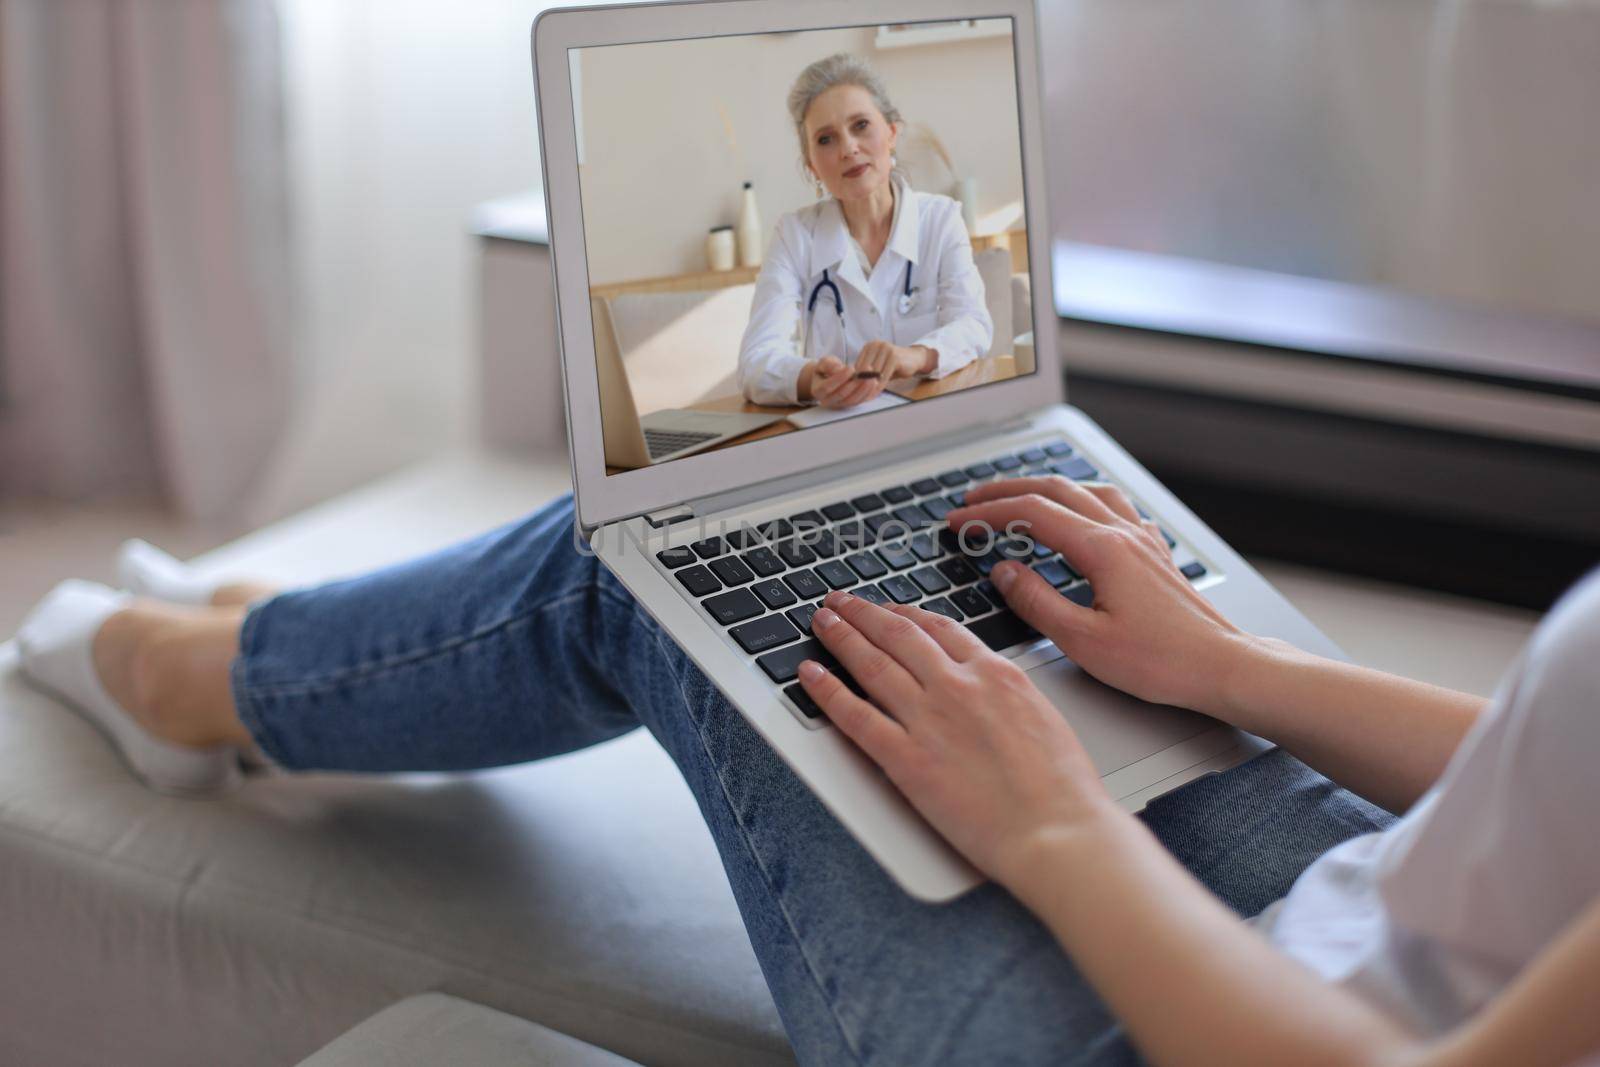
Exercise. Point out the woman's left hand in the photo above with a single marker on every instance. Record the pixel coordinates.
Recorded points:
(963, 733)
(891, 361)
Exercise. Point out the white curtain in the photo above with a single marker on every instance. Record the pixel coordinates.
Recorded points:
(144, 290)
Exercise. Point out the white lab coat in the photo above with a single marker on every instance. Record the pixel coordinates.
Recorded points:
(948, 312)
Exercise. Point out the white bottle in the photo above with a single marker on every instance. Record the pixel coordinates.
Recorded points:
(749, 229)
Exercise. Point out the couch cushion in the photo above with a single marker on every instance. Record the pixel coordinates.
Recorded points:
(432, 1030)
(581, 892)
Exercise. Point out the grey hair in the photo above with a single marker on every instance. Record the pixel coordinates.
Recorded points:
(841, 68)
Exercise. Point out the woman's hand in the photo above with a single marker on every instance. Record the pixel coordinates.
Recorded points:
(890, 361)
(833, 384)
(1149, 633)
(963, 733)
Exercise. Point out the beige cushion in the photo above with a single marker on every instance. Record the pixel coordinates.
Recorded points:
(433, 1030)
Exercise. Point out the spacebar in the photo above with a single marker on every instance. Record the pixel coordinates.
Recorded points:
(1002, 631)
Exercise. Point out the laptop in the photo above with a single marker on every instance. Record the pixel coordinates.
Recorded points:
(650, 119)
(632, 442)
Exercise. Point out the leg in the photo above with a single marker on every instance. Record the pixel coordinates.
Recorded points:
(514, 646)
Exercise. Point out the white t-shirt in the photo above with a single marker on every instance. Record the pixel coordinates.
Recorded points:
(1432, 918)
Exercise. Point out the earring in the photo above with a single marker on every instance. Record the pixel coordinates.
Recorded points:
(817, 185)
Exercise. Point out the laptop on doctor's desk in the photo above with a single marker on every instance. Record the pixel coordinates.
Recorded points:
(650, 119)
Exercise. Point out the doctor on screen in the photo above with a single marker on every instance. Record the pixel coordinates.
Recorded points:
(875, 279)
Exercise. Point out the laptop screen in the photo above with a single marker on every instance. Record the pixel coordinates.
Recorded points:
(784, 230)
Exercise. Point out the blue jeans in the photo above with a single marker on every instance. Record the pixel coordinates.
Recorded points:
(513, 647)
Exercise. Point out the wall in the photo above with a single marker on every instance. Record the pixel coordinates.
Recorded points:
(660, 170)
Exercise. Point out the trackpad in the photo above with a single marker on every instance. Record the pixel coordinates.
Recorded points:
(1116, 728)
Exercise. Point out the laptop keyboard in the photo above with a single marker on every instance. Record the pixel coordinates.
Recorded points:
(661, 443)
(763, 583)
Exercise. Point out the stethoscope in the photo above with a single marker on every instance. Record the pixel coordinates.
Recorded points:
(907, 301)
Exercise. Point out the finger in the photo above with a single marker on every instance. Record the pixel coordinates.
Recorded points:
(1156, 536)
(889, 684)
(1063, 491)
(1115, 499)
(830, 365)
(874, 733)
(1040, 605)
(897, 635)
(956, 640)
(1069, 532)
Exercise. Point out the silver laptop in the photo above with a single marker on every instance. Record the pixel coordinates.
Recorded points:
(651, 118)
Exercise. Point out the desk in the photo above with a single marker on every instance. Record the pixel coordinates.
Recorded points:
(996, 368)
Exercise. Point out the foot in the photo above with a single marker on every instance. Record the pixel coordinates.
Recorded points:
(96, 649)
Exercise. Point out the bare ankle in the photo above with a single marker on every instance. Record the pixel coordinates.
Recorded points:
(167, 667)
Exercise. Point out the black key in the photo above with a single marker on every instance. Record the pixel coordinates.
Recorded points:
(710, 548)
(914, 517)
(867, 565)
(1006, 463)
(950, 541)
(925, 546)
(1081, 594)
(676, 557)
(903, 589)
(1053, 571)
(867, 502)
(951, 479)
(743, 538)
(1058, 448)
(938, 507)
(987, 588)
(736, 606)
(774, 593)
(821, 542)
(1002, 630)
(1070, 569)
(853, 535)
(870, 593)
(770, 632)
(808, 518)
(795, 554)
(801, 616)
(806, 584)
(925, 487)
(783, 665)
(777, 529)
(698, 580)
(930, 580)
(941, 606)
(838, 511)
(984, 564)
(803, 701)
(1014, 547)
(898, 556)
(878, 520)
(836, 574)
(1172, 542)
(958, 570)
(1032, 455)
(970, 601)
(896, 494)
(1194, 571)
(957, 499)
(1077, 468)
(764, 562)
(731, 570)
(980, 470)
(1042, 550)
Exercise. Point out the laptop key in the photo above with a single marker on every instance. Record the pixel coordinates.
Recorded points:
(807, 518)
(1002, 630)
(898, 556)
(930, 580)
(1058, 448)
(764, 633)
(958, 570)
(764, 562)
(896, 494)
(710, 548)
(902, 589)
(867, 502)
(777, 530)
(938, 507)
(1077, 468)
(952, 479)
(736, 606)
(941, 606)
(803, 701)
(870, 593)
(774, 593)
(784, 665)
(839, 511)
(970, 601)
(1053, 571)
(743, 538)
(1006, 463)
(795, 554)
(697, 580)
(925, 487)
(914, 517)
(806, 584)
(801, 616)
(731, 570)
(925, 547)
(674, 558)
(1032, 455)
(878, 520)
(836, 574)
(980, 470)
(1194, 571)
(867, 565)
(1081, 594)
(853, 535)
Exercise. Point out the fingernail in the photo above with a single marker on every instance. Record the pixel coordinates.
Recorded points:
(1003, 576)
(810, 670)
(823, 619)
(838, 597)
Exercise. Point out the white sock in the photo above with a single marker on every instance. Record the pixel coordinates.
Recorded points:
(144, 569)
(56, 653)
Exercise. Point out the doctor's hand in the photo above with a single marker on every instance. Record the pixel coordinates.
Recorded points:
(890, 361)
(834, 384)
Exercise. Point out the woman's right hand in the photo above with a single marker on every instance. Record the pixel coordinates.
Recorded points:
(1149, 632)
(834, 384)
